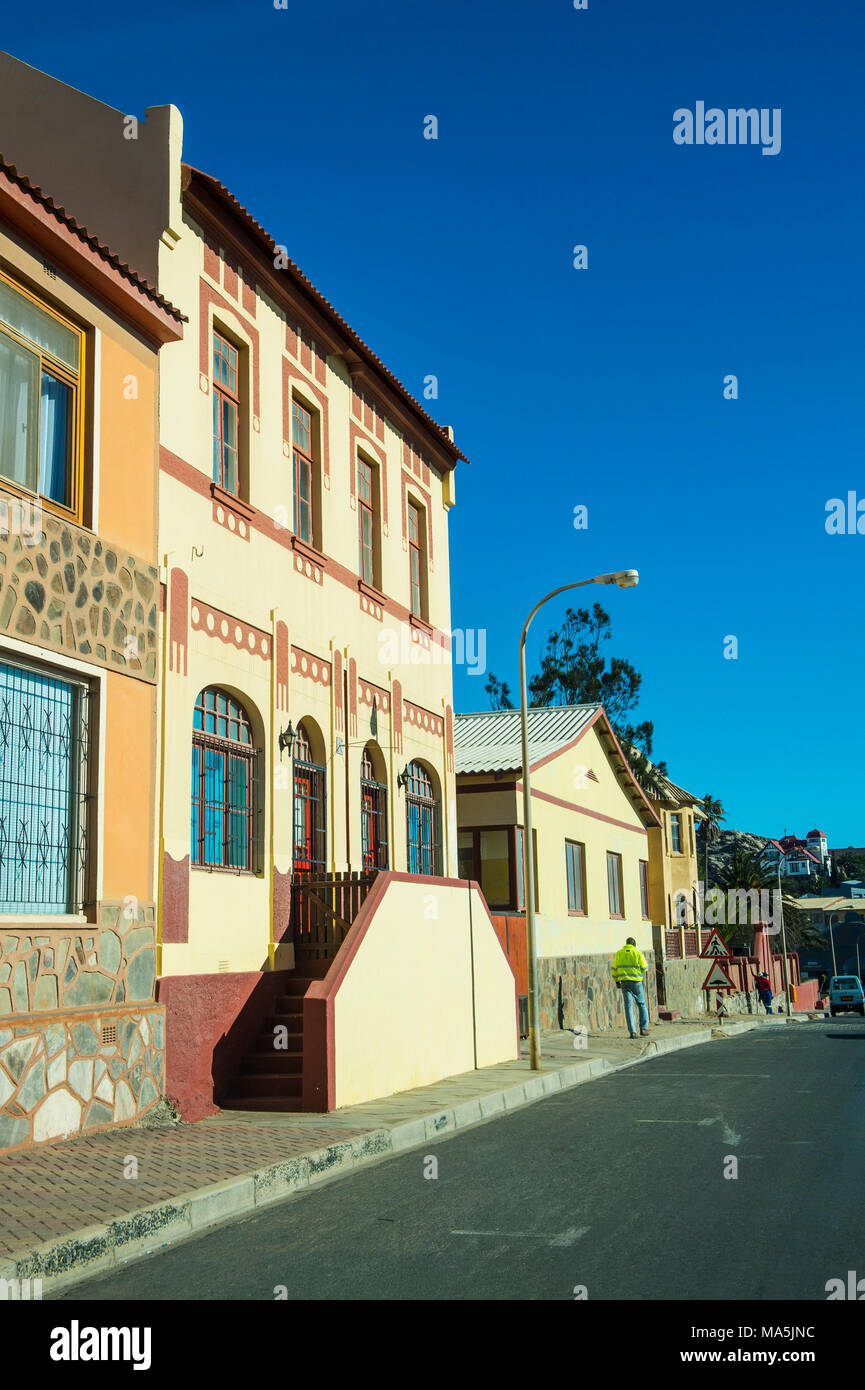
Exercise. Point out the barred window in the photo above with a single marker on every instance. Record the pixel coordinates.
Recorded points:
(373, 815)
(310, 834)
(44, 786)
(423, 822)
(226, 799)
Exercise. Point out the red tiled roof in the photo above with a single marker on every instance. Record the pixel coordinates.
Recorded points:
(88, 239)
(296, 274)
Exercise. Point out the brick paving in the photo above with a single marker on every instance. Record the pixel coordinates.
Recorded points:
(61, 1188)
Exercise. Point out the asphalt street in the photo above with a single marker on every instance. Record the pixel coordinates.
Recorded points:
(617, 1187)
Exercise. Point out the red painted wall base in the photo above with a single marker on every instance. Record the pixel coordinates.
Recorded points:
(211, 1021)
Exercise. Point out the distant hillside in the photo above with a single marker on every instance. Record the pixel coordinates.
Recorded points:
(721, 851)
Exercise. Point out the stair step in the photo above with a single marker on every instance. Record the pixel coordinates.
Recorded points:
(266, 1085)
(263, 1045)
(292, 1022)
(287, 1103)
(288, 1004)
(274, 1063)
(298, 984)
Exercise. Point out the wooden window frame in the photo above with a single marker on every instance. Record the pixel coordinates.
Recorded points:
(309, 784)
(77, 384)
(374, 810)
(367, 506)
(676, 820)
(417, 555)
(643, 872)
(223, 395)
(580, 847)
(227, 748)
(306, 452)
(616, 858)
(421, 800)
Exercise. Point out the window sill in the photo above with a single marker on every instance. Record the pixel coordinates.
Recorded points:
(573, 913)
(370, 592)
(224, 869)
(233, 502)
(420, 623)
(617, 916)
(52, 919)
(309, 552)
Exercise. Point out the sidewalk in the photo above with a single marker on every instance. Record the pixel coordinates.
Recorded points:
(74, 1209)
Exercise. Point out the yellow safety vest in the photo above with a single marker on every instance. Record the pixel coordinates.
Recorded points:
(629, 964)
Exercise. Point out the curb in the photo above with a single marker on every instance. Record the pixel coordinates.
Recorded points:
(95, 1249)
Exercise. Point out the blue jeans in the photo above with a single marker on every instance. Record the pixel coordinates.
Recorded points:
(632, 992)
(766, 996)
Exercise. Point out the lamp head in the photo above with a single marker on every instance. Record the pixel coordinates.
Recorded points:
(625, 579)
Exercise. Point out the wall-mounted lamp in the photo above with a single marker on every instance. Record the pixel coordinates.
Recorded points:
(286, 739)
(402, 777)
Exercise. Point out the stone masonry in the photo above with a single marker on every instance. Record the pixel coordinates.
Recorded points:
(64, 588)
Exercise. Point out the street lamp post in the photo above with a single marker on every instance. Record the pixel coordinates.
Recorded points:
(832, 941)
(625, 579)
(783, 942)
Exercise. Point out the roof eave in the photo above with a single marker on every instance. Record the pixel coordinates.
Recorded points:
(207, 197)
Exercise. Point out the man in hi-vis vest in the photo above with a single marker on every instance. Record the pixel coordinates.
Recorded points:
(629, 967)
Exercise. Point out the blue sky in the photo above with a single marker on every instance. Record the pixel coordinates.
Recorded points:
(600, 387)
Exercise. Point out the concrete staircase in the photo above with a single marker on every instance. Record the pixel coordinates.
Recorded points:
(270, 1077)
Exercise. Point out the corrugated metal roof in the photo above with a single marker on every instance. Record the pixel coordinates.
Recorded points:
(93, 242)
(227, 197)
(490, 741)
(678, 795)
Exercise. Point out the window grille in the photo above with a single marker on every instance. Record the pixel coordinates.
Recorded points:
(373, 799)
(423, 823)
(44, 791)
(310, 834)
(226, 785)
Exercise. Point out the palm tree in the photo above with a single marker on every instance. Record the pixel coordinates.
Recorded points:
(710, 828)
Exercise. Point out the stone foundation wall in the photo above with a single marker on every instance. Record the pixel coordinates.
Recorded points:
(685, 995)
(82, 1041)
(46, 968)
(587, 992)
(67, 1074)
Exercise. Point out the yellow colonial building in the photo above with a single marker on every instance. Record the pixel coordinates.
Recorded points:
(306, 713)
(591, 828)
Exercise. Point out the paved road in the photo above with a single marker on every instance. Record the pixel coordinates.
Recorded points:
(617, 1185)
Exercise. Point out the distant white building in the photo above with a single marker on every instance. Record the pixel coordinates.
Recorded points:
(799, 858)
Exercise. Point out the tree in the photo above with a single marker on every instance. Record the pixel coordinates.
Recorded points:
(574, 671)
(499, 693)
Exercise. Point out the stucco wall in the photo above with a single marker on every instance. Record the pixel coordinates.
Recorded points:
(420, 990)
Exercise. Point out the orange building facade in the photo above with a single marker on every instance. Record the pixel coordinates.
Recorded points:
(81, 1037)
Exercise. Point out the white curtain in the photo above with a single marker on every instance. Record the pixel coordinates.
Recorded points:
(19, 396)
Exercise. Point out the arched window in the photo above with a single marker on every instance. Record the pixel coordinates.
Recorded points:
(373, 815)
(310, 835)
(423, 822)
(225, 791)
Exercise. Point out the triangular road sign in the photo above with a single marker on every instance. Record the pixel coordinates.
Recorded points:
(718, 978)
(715, 946)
